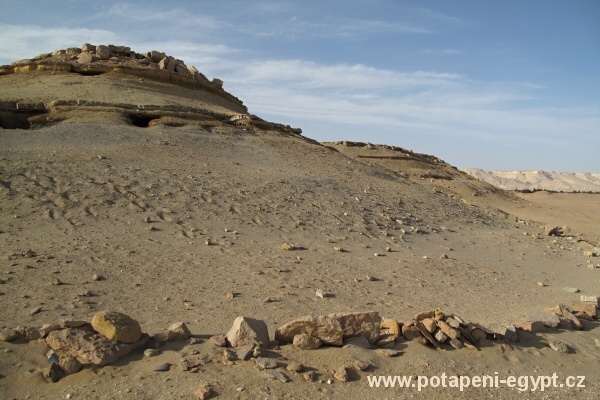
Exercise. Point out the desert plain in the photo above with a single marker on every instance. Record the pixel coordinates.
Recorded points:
(150, 198)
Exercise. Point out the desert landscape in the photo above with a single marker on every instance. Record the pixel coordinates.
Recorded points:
(131, 183)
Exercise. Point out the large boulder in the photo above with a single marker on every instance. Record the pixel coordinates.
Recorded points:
(90, 347)
(117, 327)
(103, 52)
(247, 331)
(359, 324)
(327, 329)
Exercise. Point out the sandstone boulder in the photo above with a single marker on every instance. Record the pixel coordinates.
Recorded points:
(307, 342)
(103, 52)
(327, 329)
(90, 347)
(359, 324)
(117, 326)
(247, 331)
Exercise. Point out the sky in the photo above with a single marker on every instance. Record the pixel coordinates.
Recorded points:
(497, 85)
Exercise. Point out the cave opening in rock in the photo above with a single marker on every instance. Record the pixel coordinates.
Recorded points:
(15, 119)
(141, 121)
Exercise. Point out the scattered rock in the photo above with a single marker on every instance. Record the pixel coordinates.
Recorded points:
(56, 282)
(549, 320)
(424, 314)
(288, 247)
(117, 326)
(265, 363)
(429, 324)
(72, 323)
(590, 299)
(440, 336)
(361, 365)
(151, 352)
(295, 367)
(219, 340)
(304, 341)
(8, 335)
(278, 376)
(162, 367)
(571, 290)
(310, 376)
(580, 308)
(388, 352)
(228, 356)
(410, 333)
(69, 365)
(448, 330)
(529, 326)
(341, 374)
(391, 325)
(178, 331)
(541, 284)
(321, 293)
(53, 373)
(327, 329)
(421, 328)
(457, 344)
(248, 331)
(203, 391)
(357, 342)
(245, 353)
(559, 346)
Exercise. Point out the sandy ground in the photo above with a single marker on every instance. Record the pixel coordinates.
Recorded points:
(79, 195)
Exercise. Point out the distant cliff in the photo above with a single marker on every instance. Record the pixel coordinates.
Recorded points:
(539, 180)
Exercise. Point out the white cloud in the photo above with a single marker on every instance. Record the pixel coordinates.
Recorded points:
(26, 41)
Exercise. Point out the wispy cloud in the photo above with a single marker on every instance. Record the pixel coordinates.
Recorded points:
(446, 52)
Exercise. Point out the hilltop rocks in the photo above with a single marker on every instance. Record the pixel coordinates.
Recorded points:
(117, 327)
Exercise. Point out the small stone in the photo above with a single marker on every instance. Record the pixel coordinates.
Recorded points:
(310, 376)
(53, 373)
(440, 336)
(295, 367)
(72, 323)
(429, 324)
(338, 249)
(385, 340)
(8, 335)
(35, 310)
(571, 290)
(361, 365)
(56, 282)
(230, 296)
(559, 346)
(549, 320)
(265, 363)
(277, 376)
(411, 333)
(151, 352)
(357, 342)
(178, 331)
(202, 392)
(218, 340)
(370, 278)
(320, 293)
(341, 374)
(389, 352)
(457, 344)
(590, 299)
(541, 284)
(162, 367)
(444, 257)
(69, 365)
(288, 247)
(229, 355)
(97, 277)
(304, 341)
(529, 326)
(245, 353)
(391, 325)
(424, 314)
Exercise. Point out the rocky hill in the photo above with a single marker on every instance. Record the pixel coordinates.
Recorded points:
(144, 210)
(539, 180)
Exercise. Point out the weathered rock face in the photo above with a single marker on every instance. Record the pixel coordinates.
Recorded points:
(90, 347)
(359, 324)
(117, 327)
(247, 331)
(326, 329)
(306, 342)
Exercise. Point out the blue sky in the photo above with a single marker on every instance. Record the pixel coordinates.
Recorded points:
(504, 85)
